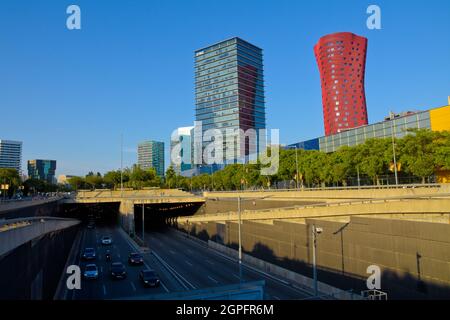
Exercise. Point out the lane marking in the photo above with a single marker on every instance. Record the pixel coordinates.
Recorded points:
(172, 252)
(133, 246)
(210, 262)
(276, 298)
(133, 286)
(189, 263)
(212, 279)
(236, 276)
(118, 254)
(104, 290)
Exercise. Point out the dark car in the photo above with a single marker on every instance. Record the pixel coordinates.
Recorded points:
(118, 270)
(135, 259)
(149, 278)
(88, 254)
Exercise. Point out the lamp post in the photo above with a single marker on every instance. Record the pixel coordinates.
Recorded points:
(143, 222)
(240, 240)
(296, 163)
(121, 165)
(315, 231)
(392, 117)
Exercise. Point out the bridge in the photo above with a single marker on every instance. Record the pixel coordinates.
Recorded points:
(155, 203)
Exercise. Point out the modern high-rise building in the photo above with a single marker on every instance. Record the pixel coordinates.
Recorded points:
(11, 154)
(42, 170)
(229, 92)
(151, 155)
(181, 149)
(341, 58)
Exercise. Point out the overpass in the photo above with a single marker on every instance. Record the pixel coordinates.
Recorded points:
(33, 252)
(153, 203)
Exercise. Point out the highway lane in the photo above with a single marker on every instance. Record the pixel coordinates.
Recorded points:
(105, 287)
(203, 267)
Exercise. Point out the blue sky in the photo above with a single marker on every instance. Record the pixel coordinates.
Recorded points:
(68, 95)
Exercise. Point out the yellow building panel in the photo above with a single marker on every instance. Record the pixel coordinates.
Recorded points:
(440, 119)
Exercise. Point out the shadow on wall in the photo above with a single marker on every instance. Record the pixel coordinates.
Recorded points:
(396, 286)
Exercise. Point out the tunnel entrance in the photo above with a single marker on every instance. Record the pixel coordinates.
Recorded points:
(157, 216)
(103, 214)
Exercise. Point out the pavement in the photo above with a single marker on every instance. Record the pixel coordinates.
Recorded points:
(105, 287)
(202, 267)
(181, 263)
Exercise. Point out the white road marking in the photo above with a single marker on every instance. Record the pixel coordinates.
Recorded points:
(189, 263)
(118, 254)
(133, 286)
(211, 263)
(101, 269)
(236, 276)
(276, 298)
(212, 279)
(164, 287)
(172, 252)
(104, 290)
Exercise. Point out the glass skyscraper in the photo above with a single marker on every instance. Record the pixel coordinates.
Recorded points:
(229, 90)
(42, 170)
(151, 155)
(10, 154)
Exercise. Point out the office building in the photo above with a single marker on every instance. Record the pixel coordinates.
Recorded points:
(229, 93)
(42, 170)
(181, 149)
(341, 58)
(436, 119)
(11, 154)
(151, 155)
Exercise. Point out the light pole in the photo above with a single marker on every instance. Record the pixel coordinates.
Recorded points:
(315, 231)
(296, 163)
(392, 117)
(121, 165)
(240, 240)
(143, 222)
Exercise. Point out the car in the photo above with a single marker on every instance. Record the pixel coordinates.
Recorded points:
(91, 271)
(149, 278)
(135, 259)
(106, 240)
(88, 254)
(118, 270)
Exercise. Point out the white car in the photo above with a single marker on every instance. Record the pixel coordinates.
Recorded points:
(106, 240)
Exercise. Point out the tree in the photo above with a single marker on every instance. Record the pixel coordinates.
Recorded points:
(171, 177)
(418, 153)
(77, 183)
(10, 177)
(374, 157)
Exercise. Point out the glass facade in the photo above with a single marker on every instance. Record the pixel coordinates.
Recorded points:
(399, 125)
(42, 170)
(420, 120)
(181, 160)
(229, 89)
(11, 154)
(151, 155)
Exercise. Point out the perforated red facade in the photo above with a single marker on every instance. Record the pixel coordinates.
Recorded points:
(341, 58)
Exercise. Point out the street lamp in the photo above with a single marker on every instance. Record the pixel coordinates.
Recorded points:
(143, 220)
(296, 163)
(315, 232)
(392, 117)
(240, 240)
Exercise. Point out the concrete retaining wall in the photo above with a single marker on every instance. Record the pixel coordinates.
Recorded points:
(414, 256)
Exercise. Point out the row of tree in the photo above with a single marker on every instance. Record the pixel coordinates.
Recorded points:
(420, 154)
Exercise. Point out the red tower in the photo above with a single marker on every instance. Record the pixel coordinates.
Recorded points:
(341, 58)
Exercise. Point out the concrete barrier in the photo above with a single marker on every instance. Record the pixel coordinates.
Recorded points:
(295, 278)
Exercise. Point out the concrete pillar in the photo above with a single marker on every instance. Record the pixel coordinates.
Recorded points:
(126, 212)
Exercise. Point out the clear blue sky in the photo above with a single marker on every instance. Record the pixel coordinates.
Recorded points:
(68, 95)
